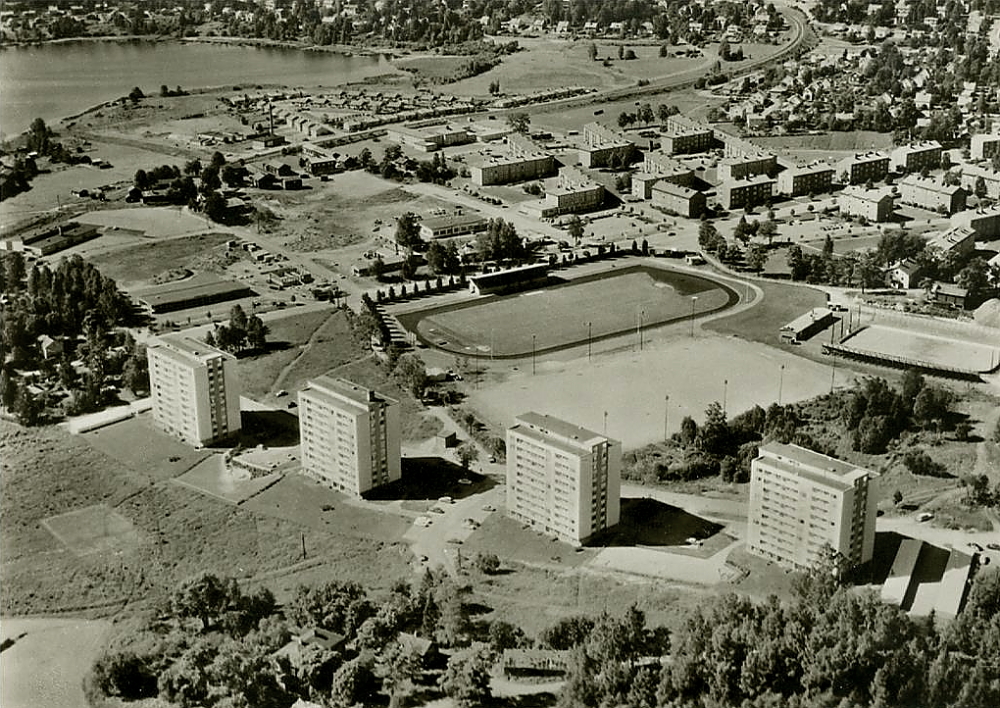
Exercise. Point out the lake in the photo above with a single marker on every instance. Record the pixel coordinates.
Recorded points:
(53, 81)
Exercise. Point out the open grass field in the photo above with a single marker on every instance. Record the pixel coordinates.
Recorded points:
(781, 304)
(48, 473)
(553, 318)
(919, 347)
(138, 264)
(159, 457)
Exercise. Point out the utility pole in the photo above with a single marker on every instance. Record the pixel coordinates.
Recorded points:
(666, 417)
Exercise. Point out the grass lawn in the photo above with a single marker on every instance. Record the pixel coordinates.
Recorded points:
(558, 316)
(159, 456)
(48, 472)
(781, 304)
(535, 598)
(287, 337)
(416, 425)
(139, 263)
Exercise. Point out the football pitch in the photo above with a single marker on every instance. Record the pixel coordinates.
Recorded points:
(568, 314)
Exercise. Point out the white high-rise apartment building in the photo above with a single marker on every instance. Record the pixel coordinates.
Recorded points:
(350, 435)
(195, 389)
(801, 500)
(562, 479)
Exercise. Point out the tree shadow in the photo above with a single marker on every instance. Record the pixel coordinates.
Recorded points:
(649, 522)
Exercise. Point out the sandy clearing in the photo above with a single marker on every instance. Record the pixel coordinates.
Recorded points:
(631, 388)
(46, 667)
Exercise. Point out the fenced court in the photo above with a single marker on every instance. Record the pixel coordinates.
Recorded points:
(906, 347)
(92, 529)
(592, 308)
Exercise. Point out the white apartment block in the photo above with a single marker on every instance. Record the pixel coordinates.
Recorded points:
(195, 389)
(349, 435)
(562, 479)
(801, 501)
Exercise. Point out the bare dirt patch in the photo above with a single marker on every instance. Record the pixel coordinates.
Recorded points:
(94, 529)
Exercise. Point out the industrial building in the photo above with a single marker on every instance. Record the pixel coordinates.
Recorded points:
(562, 479)
(350, 435)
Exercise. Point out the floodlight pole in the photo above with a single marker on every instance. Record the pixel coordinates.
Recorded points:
(694, 300)
(781, 382)
(532, 355)
(589, 340)
(666, 417)
(725, 394)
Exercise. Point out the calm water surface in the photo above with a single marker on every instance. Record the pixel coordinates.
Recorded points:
(56, 80)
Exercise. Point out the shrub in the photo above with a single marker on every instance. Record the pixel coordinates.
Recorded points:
(920, 463)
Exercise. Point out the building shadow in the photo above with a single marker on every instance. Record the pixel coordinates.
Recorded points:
(274, 428)
(429, 479)
(649, 522)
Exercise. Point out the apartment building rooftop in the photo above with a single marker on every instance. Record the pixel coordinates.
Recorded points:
(339, 388)
(190, 348)
(813, 466)
(558, 432)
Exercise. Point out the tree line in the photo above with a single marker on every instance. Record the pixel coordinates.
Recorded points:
(79, 309)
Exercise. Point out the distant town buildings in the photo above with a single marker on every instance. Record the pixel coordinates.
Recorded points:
(984, 146)
(521, 160)
(815, 178)
(916, 156)
(350, 435)
(862, 167)
(605, 147)
(562, 479)
(748, 192)
(678, 199)
(194, 388)
(931, 193)
(875, 204)
(802, 501)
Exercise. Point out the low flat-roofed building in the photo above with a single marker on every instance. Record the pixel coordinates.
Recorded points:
(678, 199)
(916, 156)
(876, 204)
(862, 167)
(950, 294)
(931, 193)
(203, 289)
(740, 193)
(453, 225)
(735, 168)
(509, 280)
(59, 239)
(806, 325)
(815, 178)
(955, 584)
(802, 502)
(899, 588)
